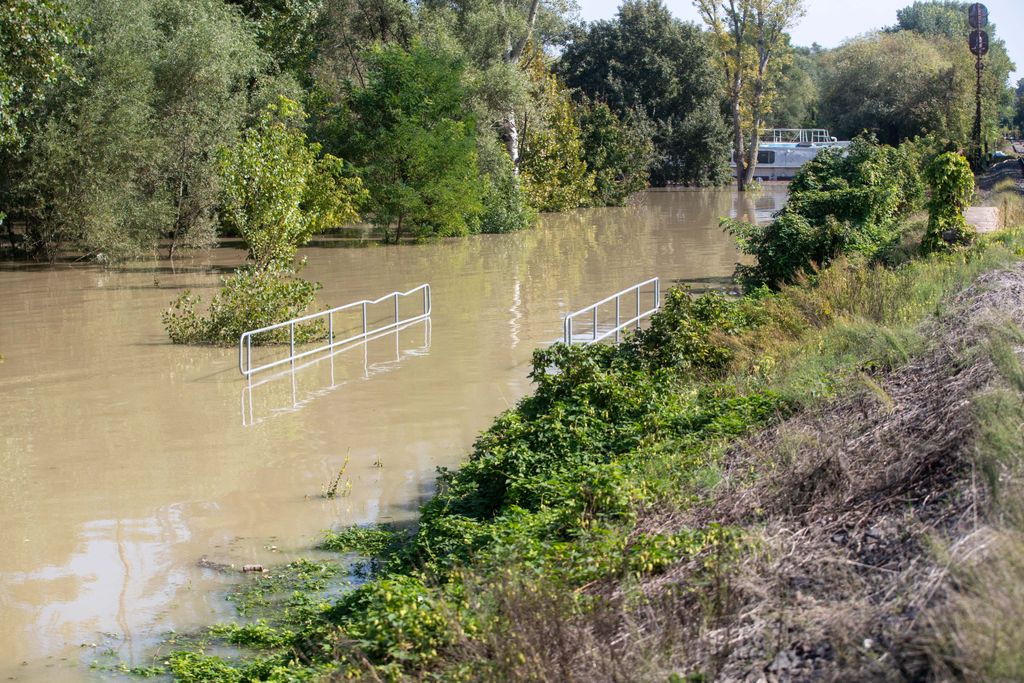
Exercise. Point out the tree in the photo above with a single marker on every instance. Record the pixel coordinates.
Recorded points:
(750, 37)
(287, 31)
(201, 70)
(618, 152)
(278, 191)
(847, 202)
(553, 171)
(495, 36)
(897, 86)
(646, 60)
(89, 174)
(945, 24)
(34, 37)
(1018, 119)
(415, 143)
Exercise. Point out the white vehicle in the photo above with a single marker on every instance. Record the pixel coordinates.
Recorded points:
(783, 151)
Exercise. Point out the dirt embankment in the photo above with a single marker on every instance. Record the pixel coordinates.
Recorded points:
(870, 504)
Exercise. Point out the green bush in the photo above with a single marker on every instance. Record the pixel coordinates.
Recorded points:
(250, 298)
(848, 202)
(952, 186)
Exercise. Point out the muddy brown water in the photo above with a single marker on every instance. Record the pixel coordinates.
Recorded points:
(124, 459)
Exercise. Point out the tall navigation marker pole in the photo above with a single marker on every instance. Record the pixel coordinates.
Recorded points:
(977, 15)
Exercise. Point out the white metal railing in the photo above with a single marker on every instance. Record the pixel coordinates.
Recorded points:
(596, 333)
(245, 365)
(797, 135)
(279, 401)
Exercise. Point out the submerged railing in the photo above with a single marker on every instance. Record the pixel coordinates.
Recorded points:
(245, 365)
(596, 334)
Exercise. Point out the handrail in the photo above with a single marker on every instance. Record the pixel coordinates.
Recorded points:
(245, 339)
(567, 335)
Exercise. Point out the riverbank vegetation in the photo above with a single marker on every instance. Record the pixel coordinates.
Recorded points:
(811, 479)
(458, 118)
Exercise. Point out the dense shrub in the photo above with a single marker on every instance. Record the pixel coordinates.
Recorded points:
(844, 202)
(952, 186)
(618, 152)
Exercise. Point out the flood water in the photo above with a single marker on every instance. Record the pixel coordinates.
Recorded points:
(125, 459)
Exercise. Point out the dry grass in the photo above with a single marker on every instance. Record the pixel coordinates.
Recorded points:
(861, 528)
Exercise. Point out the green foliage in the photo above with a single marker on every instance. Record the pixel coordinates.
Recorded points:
(278, 191)
(552, 168)
(415, 142)
(926, 55)
(286, 30)
(249, 299)
(191, 667)
(205, 59)
(257, 635)
(684, 332)
(395, 620)
(618, 151)
(952, 186)
(124, 155)
(645, 59)
(505, 209)
(844, 202)
(371, 541)
(34, 37)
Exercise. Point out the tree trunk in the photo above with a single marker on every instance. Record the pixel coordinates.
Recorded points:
(739, 152)
(755, 135)
(508, 129)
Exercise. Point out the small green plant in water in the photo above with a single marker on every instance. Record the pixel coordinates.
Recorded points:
(339, 486)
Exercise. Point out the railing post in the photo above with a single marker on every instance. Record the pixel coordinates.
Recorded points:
(616, 319)
(330, 328)
(396, 308)
(364, 318)
(248, 364)
(638, 308)
(291, 342)
(595, 323)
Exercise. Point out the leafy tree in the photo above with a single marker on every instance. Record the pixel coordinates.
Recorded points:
(1018, 119)
(750, 39)
(495, 37)
(348, 29)
(946, 24)
(647, 60)
(952, 185)
(896, 85)
(798, 99)
(553, 170)
(287, 31)
(201, 71)
(34, 37)
(617, 152)
(278, 191)
(504, 207)
(415, 142)
(89, 174)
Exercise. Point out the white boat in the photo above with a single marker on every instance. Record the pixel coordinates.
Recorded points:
(782, 151)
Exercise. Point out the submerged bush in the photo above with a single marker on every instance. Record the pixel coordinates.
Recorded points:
(250, 298)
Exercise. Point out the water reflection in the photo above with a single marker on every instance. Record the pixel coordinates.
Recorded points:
(123, 459)
(292, 389)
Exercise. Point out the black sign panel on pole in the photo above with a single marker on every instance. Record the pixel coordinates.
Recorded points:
(979, 43)
(977, 14)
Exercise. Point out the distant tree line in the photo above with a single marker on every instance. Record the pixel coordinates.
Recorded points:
(456, 116)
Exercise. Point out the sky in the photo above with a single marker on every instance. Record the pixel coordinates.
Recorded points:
(830, 22)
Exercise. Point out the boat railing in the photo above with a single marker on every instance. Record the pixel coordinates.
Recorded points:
(326, 318)
(632, 295)
(804, 136)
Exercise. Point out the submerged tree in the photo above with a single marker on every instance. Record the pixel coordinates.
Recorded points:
(645, 60)
(751, 42)
(414, 142)
(277, 191)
